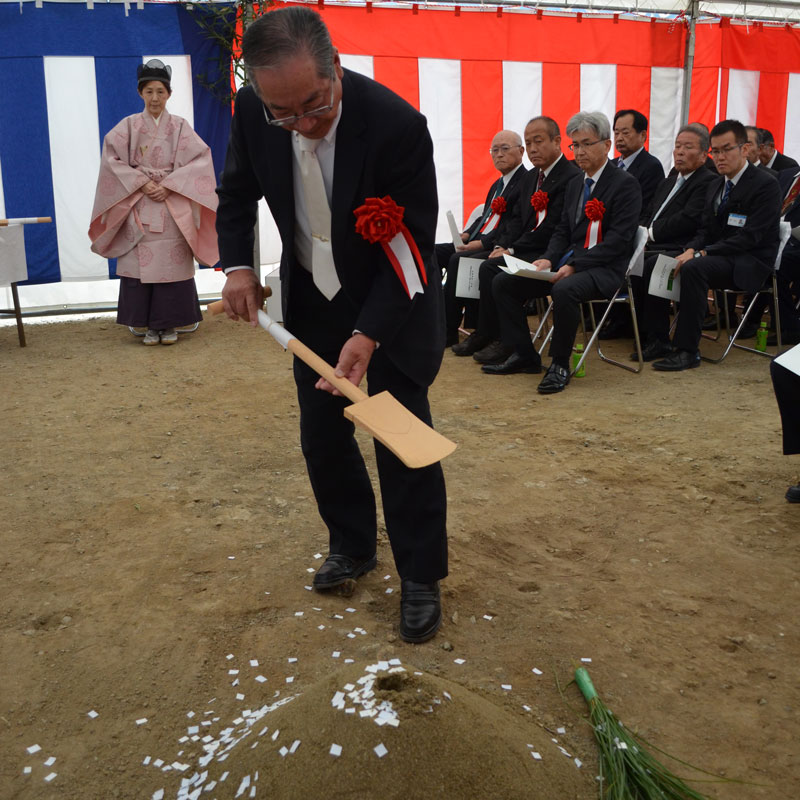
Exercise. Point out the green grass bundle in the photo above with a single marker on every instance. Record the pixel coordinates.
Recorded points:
(627, 770)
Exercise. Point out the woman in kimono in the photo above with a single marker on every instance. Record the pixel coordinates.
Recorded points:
(155, 211)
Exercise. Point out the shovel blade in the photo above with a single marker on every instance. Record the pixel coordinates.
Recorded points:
(393, 425)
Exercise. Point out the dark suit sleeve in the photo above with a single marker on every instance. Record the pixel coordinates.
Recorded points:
(239, 194)
(651, 175)
(682, 225)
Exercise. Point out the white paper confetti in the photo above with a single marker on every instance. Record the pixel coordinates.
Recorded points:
(295, 745)
(26, 770)
(561, 730)
(350, 610)
(50, 761)
(334, 654)
(233, 672)
(506, 686)
(317, 555)
(459, 661)
(290, 679)
(336, 750)
(292, 660)
(261, 679)
(389, 590)
(578, 763)
(239, 696)
(283, 751)
(34, 748)
(48, 778)
(586, 660)
(141, 721)
(536, 671)
(230, 655)
(92, 714)
(380, 750)
(299, 613)
(253, 662)
(536, 756)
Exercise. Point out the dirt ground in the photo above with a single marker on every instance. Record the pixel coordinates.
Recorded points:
(159, 532)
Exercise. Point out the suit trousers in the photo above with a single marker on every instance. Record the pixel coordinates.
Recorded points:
(787, 392)
(456, 308)
(509, 294)
(698, 276)
(652, 312)
(414, 500)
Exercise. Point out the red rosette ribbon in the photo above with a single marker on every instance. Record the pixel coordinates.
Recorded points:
(380, 221)
(594, 210)
(539, 201)
(499, 206)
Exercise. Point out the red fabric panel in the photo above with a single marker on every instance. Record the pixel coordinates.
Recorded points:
(772, 91)
(561, 94)
(633, 88)
(401, 75)
(481, 119)
(514, 36)
(703, 100)
(723, 93)
(750, 47)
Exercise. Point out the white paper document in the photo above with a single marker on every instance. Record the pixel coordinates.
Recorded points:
(467, 278)
(454, 231)
(790, 359)
(664, 282)
(524, 269)
(13, 266)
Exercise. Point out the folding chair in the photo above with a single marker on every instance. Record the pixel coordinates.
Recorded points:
(624, 294)
(772, 288)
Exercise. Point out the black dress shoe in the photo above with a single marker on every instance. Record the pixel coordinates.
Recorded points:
(495, 353)
(339, 569)
(474, 342)
(793, 494)
(513, 364)
(748, 331)
(679, 360)
(787, 337)
(653, 350)
(420, 611)
(555, 380)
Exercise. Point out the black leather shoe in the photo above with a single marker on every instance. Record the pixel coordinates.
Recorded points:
(787, 337)
(495, 353)
(679, 360)
(555, 380)
(513, 364)
(793, 494)
(420, 611)
(338, 569)
(748, 331)
(474, 342)
(653, 350)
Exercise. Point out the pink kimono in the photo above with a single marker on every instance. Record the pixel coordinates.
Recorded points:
(155, 242)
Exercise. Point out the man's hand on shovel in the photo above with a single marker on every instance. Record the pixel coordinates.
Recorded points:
(353, 362)
(243, 295)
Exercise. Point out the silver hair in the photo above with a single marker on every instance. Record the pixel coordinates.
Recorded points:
(595, 121)
(698, 130)
(281, 34)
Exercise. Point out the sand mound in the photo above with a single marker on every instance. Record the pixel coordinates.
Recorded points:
(383, 730)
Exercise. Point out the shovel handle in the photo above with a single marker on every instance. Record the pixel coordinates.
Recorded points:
(323, 368)
(24, 220)
(217, 306)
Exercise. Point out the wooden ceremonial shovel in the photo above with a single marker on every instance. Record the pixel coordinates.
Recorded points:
(382, 416)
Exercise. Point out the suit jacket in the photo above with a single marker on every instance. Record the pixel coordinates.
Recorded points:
(621, 196)
(647, 169)
(531, 240)
(679, 220)
(785, 180)
(382, 148)
(782, 162)
(752, 248)
(505, 230)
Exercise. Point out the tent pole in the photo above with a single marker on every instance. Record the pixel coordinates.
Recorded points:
(692, 12)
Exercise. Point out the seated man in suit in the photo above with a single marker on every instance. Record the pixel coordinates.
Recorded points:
(489, 228)
(769, 156)
(787, 392)
(789, 272)
(501, 309)
(589, 250)
(735, 246)
(630, 134)
(671, 220)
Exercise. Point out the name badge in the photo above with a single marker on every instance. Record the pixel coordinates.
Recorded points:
(737, 220)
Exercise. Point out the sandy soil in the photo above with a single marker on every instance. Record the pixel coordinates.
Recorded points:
(159, 532)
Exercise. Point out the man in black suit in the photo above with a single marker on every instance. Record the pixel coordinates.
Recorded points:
(786, 384)
(491, 228)
(502, 341)
(788, 277)
(591, 246)
(671, 220)
(735, 246)
(317, 141)
(769, 156)
(630, 135)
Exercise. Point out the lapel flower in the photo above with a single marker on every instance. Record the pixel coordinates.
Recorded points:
(539, 200)
(499, 205)
(595, 210)
(380, 219)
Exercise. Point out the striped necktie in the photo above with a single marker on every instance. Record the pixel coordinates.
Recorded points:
(791, 196)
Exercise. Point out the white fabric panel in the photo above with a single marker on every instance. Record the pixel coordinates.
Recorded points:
(666, 96)
(791, 143)
(743, 95)
(181, 100)
(360, 64)
(440, 102)
(2, 197)
(522, 96)
(599, 89)
(719, 96)
(74, 161)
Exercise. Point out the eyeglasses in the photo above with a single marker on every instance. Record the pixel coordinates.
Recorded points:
(723, 151)
(501, 148)
(317, 112)
(576, 146)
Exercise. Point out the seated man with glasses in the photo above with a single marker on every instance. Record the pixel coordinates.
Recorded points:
(589, 250)
(343, 162)
(492, 228)
(736, 245)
